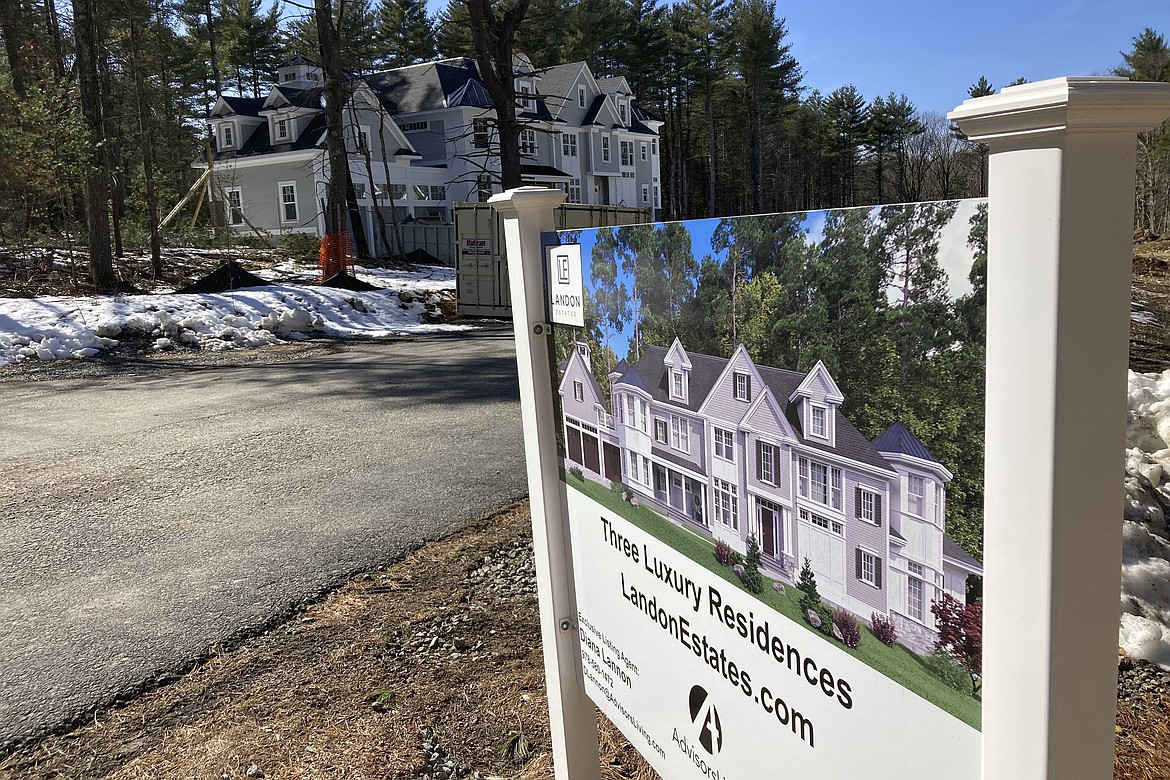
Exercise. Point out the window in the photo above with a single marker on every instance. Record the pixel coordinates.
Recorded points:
(575, 191)
(228, 137)
(654, 146)
(422, 192)
(680, 433)
(633, 465)
(644, 408)
(289, 76)
(645, 470)
(678, 384)
(528, 142)
(622, 111)
(835, 526)
(605, 148)
(820, 483)
(743, 386)
(819, 425)
(235, 206)
(627, 150)
(412, 127)
(483, 187)
(916, 495)
(726, 503)
(642, 150)
(578, 390)
(915, 598)
(660, 434)
(604, 419)
(288, 201)
(568, 144)
(628, 175)
(398, 191)
(438, 192)
(724, 444)
(525, 100)
(868, 568)
(869, 506)
(479, 133)
(915, 568)
(631, 411)
(281, 129)
(361, 139)
(645, 193)
(581, 97)
(766, 463)
(656, 203)
(359, 190)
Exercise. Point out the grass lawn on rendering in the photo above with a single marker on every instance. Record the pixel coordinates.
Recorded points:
(899, 664)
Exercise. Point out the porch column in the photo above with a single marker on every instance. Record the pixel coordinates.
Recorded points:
(1061, 193)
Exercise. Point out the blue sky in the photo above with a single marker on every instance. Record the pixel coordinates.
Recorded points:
(932, 50)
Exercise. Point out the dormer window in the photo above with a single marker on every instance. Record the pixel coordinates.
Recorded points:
(583, 349)
(281, 129)
(743, 386)
(525, 101)
(289, 75)
(581, 97)
(605, 148)
(229, 140)
(622, 111)
(818, 421)
(678, 385)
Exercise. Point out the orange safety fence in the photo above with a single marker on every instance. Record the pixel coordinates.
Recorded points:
(335, 255)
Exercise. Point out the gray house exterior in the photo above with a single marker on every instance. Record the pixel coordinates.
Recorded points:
(421, 139)
(731, 449)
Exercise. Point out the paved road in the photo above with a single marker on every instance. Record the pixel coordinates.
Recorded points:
(145, 518)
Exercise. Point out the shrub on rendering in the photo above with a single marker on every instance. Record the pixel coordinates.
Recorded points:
(847, 625)
(751, 577)
(825, 612)
(723, 553)
(943, 665)
(807, 584)
(960, 633)
(883, 629)
(619, 487)
(576, 472)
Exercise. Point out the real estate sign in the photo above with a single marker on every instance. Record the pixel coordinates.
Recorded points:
(771, 559)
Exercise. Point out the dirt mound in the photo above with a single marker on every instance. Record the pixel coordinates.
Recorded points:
(229, 276)
(343, 281)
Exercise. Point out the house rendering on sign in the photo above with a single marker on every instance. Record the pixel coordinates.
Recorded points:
(731, 449)
(421, 138)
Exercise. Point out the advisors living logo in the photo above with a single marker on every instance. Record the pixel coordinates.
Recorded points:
(706, 718)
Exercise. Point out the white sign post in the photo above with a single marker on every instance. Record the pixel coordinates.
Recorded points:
(1060, 222)
(527, 212)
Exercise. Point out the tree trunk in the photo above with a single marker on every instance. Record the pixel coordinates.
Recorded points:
(211, 43)
(88, 37)
(113, 145)
(494, 38)
(16, 45)
(147, 152)
(335, 197)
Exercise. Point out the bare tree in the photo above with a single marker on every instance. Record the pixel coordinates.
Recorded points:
(493, 31)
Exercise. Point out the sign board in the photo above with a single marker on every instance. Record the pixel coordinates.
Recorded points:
(477, 246)
(565, 288)
(712, 480)
(709, 490)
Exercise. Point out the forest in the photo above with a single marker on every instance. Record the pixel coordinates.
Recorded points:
(867, 297)
(117, 90)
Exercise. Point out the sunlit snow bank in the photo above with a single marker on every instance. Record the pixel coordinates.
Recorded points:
(57, 327)
(1145, 569)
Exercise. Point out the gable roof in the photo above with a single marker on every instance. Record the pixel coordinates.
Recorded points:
(897, 439)
(294, 96)
(705, 372)
(558, 80)
(428, 86)
(240, 106)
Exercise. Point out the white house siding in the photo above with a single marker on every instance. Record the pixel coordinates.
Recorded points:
(260, 193)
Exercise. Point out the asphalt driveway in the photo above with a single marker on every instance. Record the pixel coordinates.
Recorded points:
(147, 516)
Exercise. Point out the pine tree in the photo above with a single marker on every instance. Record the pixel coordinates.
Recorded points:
(407, 33)
(253, 44)
(807, 584)
(454, 30)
